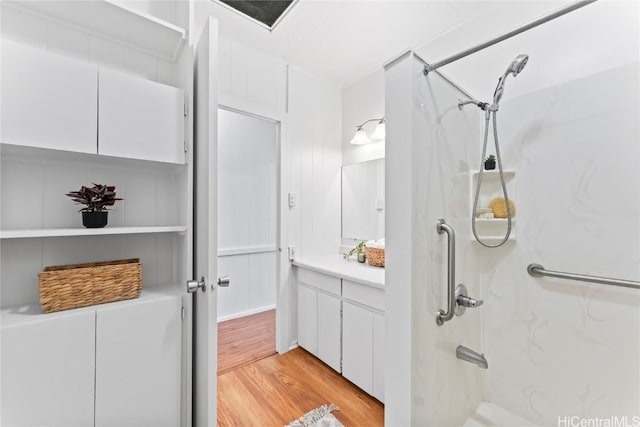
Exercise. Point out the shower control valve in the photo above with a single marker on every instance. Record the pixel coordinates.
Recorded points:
(468, 301)
(463, 300)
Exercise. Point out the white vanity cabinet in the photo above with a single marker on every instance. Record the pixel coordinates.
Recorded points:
(319, 325)
(363, 337)
(140, 119)
(341, 318)
(48, 100)
(48, 371)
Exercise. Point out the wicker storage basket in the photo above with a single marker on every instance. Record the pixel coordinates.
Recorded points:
(65, 287)
(375, 256)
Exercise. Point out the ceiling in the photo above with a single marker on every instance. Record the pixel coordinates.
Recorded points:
(347, 40)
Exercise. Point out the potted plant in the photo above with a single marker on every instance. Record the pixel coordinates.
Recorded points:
(490, 163)
(359, 250)
(96, 201)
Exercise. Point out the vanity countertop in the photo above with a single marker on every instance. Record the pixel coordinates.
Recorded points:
(336, 265)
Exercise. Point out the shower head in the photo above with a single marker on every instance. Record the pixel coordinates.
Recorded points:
(518, 64)
(514, 69)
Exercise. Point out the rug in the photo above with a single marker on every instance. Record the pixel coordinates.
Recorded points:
(320, 417)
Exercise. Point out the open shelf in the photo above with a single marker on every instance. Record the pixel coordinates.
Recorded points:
(68, 232)
(494, 174)
(494, 221)
(115, 22)
(492, 230)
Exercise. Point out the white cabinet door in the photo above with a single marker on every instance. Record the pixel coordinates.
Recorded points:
(308, 319)
(378, 356)
(138, 364)
(47, 100)
(48, 371)
(329, 326)
(139, 118)
(357, 346)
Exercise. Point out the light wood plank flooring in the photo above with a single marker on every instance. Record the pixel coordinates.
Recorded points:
(246, 339)
(278, 389)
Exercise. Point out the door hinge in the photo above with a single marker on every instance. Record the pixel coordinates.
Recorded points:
(182, 315)
(186, 146)
(186, 109)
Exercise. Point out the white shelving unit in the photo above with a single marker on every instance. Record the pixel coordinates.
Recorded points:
(492, 230)
(69, 232)
(151, 223)
(114, 22)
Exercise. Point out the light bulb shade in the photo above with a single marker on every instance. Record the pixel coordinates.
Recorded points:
(360, 138)
(380, 131)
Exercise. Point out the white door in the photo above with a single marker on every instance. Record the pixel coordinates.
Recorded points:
(205, 227)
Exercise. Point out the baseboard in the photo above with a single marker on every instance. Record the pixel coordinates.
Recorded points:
(246, 313)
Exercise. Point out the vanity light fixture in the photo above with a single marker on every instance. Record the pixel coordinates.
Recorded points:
(361, 138)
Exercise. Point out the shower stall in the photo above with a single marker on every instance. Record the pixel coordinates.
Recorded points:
(557, 351)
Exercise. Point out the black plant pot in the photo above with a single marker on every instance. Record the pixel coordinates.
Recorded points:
(489, 166)
(94, 219)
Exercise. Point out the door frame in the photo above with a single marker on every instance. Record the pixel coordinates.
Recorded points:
(284, 316)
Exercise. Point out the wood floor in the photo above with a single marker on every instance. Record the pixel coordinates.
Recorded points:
(278, 389)
(246, 339)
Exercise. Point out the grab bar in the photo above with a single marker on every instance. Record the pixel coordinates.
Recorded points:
(444, 316)
(537, 270)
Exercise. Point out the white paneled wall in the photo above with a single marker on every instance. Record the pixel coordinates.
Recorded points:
(247, 212)
(250, 76)
(314, 109)
(253, 284)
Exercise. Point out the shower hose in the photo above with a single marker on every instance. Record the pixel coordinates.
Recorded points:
(487, 116)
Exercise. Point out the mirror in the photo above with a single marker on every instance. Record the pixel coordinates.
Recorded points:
(363, 206)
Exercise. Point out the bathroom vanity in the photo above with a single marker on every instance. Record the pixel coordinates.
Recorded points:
(341, 317)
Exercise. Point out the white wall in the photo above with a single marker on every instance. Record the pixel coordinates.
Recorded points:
(362, 101)
(247, 213)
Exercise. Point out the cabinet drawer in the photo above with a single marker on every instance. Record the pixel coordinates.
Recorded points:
(363, 294)
(321, 281)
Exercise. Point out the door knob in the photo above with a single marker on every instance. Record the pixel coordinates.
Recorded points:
(194, 285)
(223, 281)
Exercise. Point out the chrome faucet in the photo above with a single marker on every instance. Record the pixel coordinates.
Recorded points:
(468, 355)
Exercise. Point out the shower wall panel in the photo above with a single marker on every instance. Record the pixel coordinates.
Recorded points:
(431, 146)
(559, 348)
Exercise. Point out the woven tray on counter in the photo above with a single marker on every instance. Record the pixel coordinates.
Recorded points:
(64, 287)
(375, 256)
